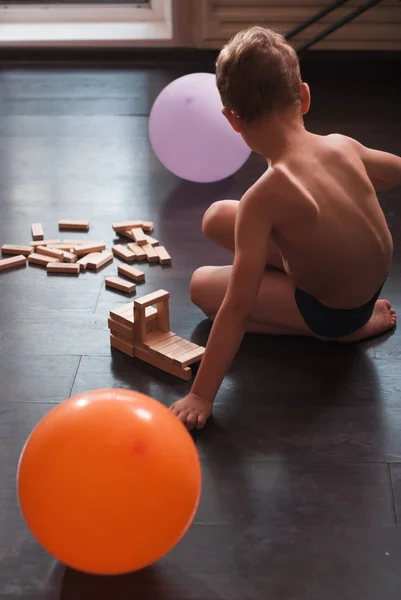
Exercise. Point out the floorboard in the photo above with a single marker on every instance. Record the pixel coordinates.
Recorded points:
(302, 460)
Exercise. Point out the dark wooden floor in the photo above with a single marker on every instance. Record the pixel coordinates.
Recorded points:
(302, 463)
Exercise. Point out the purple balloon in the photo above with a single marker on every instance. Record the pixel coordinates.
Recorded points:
(189, 134)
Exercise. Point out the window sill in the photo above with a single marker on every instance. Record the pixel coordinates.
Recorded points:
(86, 34)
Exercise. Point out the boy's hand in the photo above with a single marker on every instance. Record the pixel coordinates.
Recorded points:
(193, 411)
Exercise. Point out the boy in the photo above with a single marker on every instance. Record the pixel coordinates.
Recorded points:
(313, 219)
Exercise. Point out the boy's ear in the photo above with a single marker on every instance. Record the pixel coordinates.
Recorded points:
(305, 98)
(233, 119)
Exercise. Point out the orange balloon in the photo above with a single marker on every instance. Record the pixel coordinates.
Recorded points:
(109, 481)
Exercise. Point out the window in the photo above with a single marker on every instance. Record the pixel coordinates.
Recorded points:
(85, 22)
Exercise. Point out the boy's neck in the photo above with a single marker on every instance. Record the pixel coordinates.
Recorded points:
(276, 136)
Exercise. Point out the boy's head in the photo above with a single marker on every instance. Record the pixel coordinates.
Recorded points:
(258, 75)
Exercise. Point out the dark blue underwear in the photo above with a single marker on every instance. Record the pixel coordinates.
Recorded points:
(333, 322)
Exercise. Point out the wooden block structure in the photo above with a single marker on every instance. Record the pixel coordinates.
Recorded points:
(142, 331)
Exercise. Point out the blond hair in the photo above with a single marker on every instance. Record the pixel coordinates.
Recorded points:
(258, 73)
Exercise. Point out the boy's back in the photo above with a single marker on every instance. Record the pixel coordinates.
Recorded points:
(328, 224)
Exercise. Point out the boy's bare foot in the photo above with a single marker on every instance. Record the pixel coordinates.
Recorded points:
(383, 319)
(193, 411)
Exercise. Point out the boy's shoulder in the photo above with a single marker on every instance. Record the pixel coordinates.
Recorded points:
(277, 183)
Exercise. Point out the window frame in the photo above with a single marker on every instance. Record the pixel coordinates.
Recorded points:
(85, 24)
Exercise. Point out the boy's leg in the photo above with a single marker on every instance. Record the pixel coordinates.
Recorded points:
(275, 311)
(219, 224)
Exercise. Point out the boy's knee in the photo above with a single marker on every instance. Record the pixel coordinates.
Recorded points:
(214, 216)
(199, 289)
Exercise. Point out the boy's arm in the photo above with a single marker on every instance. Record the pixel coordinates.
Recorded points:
(383, 169)
(252, 234)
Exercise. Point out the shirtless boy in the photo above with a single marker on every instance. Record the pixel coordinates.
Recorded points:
(313, 219)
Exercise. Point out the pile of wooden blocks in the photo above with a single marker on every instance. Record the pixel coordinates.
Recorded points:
(71, 257)
(142, 246)
(141, 329)
(68, 257)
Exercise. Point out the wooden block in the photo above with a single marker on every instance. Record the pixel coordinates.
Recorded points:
(139, 236)
(123, 308)
(165, 347)
(137, 250)
(151, 326)
(151, 313)
(121, 330)
(73, 225)
(164, 365)
(126, 233)
(71, 258)
(158, 336)
(139, 323)
(40, 259)
(179, 347)
(131, 273)
(126, 226)
(44, 243)
(123, 253)
(63, 268)
(76, 242)
(121, 285)
(190, 357)
(125, 314)
(60, 246)
(151, 240)
(150, 253)
(89, 248)
(50, 252)
(152, 298)
(12, 263)
(37, 231)
(147, 226)
(122, 346)
(125, 318)
(187, 347)
(18, 250)
(99, 260)
(164, 256)
(163, 343)
(82, 262)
